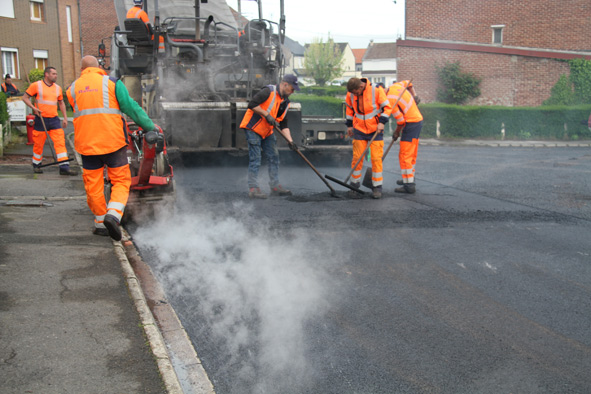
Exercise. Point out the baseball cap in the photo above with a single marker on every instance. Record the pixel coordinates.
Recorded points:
(292, 80)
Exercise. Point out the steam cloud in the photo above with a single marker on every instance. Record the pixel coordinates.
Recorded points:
(250, 285)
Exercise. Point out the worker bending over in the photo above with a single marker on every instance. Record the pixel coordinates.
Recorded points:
(267, 109)
(368, 111)
(409, 122)
(101, 139)
(48, 97)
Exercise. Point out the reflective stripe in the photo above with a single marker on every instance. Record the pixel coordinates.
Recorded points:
(62, 156)
(37, 156)
(382, 105)
(407, 171)
(137, 14)
(116, 205)
(373, 113)
(40, 94)
(349, 117)
(377, 175)
(37, 161)
(93, 111)
(274, 93)
(115, 213)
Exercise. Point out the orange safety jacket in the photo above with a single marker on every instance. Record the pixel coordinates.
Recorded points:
(136, 12)
(376, 107)
(5, 89)
(253, 121)
(46, 97)
(98, 125)
(406, 111)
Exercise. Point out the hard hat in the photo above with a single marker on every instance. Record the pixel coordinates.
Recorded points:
(138, 2)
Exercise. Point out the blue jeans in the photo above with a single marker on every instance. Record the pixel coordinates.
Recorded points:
(268, 145)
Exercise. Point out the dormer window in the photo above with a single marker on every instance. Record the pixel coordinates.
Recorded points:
(497, 34)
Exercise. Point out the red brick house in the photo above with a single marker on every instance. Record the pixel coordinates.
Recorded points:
(516, 47)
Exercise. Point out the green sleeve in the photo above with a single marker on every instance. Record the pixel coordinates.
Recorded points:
(129, 107)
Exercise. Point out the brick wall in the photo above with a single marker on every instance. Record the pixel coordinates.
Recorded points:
(551, 24)
(71, 55)
(26, 35)
(98, 22)
(507, 80)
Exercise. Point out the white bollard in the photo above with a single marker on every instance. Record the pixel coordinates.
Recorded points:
(437, 132)
(502, 131)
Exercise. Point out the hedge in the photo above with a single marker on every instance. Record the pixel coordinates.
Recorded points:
(317, 105)
(3, 109)
(546, 122)
(486, 122)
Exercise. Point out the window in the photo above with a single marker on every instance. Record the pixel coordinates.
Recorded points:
(7, 8)
(37, 10)
(10, 62)
(497, 37)
(40, 59)
(69, 22)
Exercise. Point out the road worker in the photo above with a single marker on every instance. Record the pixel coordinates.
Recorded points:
(409, 123)
(48, 97)
(267, 109)
(8, 87)
(136, 12)
(101, 139)
(368, 110)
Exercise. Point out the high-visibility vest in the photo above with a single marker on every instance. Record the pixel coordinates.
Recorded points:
(406, 111)
(375, 104)
(98, 126)
(46, 97)
(258, 124)
(136, 12)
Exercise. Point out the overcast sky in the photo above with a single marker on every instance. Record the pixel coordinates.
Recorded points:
(352, 21)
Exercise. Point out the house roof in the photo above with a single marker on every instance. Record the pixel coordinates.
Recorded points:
(380, 50)
(294, 47)
(358, 53)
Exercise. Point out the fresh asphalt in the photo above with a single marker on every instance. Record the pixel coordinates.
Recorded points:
(69, 314)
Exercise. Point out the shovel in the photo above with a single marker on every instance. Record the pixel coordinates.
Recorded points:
(367, 177)
(51, 147)
(333, 193)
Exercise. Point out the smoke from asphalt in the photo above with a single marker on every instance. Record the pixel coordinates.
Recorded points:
(248, 287)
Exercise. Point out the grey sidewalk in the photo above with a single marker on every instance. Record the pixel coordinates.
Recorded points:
(67, 322)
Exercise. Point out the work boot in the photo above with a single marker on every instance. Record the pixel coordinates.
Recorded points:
(101, 231)
(352, 193)
(406, 188)
(400, 182)
(112, 225)
(376, 192)
(256, 192)
(67, 171)
(37, 169)
(280, 191)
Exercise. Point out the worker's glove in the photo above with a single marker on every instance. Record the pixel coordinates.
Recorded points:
(292, 146)
(417, 100)
(151, 137)
(396, 135)
(272, 121)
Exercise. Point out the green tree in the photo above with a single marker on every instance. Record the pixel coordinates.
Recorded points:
(456, 87)
(323, 61)
(574, 89)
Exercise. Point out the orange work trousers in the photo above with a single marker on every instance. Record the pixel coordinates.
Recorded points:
(93, 168)
(59, 143)
(409, 149)
(377, 151)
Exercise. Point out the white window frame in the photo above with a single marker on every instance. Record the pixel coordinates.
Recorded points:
(7, 8)
(32, 4)
(497, 28)
(40, 54)
(69, 22)
(15, 73)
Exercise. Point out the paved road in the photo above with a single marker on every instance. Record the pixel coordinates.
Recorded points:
(479, 283)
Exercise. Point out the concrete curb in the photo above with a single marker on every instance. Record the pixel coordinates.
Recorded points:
(152, 332)
(178, 362)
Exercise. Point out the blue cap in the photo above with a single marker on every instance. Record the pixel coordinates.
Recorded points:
(292, 80)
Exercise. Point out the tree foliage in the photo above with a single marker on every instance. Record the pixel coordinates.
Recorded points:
(456, 87)
(323, 61)
(574, 89)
